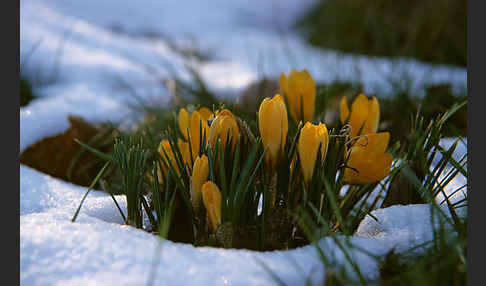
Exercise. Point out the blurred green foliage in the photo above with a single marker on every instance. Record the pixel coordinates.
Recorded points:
(26, 93)
(429, 30)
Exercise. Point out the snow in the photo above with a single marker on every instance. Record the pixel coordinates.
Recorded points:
(98, 248)
(87, 58)
(76, 43)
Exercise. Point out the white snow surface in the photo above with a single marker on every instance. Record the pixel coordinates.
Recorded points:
(94, 50)
(110, 45)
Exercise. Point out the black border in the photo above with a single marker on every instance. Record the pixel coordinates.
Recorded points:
(471, 251)
(12, 213)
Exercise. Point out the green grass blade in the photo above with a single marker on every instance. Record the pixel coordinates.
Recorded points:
(100, 173)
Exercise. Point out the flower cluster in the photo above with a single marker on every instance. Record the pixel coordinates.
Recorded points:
(206, 133)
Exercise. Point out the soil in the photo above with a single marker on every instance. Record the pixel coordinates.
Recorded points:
(62, 157)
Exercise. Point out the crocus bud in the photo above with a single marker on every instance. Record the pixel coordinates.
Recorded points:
(206, 113)
(369, 159)
(224, 124)
(200, 173)
(300, 90)
(273, 125)
(311, 137)
(365, 114)
(183, 120)
(212, 202)
(199, 129)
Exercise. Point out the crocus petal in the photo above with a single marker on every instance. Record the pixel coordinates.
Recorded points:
(323, 137)
(212, 202)
(300, 90)
(307, 149)
(199, 127)
(371, 125)
(183, 120)
(273, 126)
(205, 113)
(184, 149)
(371, 168)
(200, 173)
(309, 95)
(295, 84)
(359, 114)
(344, 110)
(168, 158)
(374, 143)
(368, 156)
(223, 124)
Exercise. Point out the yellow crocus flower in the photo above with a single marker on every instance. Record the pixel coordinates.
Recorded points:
(311, 137)
(365, 112)
(183, 120)
(211, 196)
(200, 173)
(224, 123)
(198, 129)
(206, 113)
(300, 90)
(184, 149)
(369, 157)
(165, 146)
(273, 125)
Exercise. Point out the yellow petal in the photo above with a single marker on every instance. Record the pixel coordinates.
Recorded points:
(212, 202)
(184, 149)
(295, 95)
(323, 137)
(371, 169)
(224, 124)
(344, 110)
(183, 120)
(307, 149)
(200, 173)
(226, 112)
(359, 114)
(206, 113)
(369, 158)
(374, 143)
(309, 95)
(300, 90)
(371, 125)
(168, 158)
(291, 97)
(273, 126)
(284, 127)
(199, 128)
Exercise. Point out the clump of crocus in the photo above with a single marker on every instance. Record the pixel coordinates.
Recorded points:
(273, 125)
(224, 127)
(300, 90)
(312, 137)
(368, 160)
(200, 173)
(364, 116)
(211, 196)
